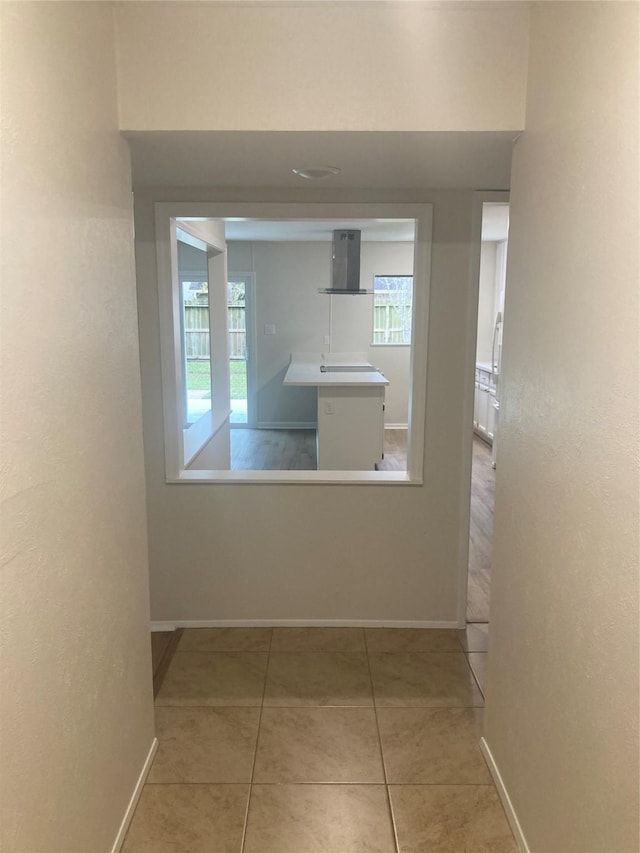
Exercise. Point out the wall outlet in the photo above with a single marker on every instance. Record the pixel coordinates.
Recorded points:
(328, 407)
(269, 329)
(326, 340)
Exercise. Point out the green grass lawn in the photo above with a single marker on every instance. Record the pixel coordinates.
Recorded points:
(238, 376)
(199, 377)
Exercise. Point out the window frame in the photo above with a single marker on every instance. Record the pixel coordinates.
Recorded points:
(178, 451)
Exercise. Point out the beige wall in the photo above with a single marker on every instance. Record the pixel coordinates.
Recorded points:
(315, 552)
(76, 699)
(313, 67)
(562, 707)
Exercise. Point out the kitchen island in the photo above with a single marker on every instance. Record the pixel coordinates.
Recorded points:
(350, 434)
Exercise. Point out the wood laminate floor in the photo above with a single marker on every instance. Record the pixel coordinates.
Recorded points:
(295, 450)
(395, 450)
(483, 480)
(273, 450)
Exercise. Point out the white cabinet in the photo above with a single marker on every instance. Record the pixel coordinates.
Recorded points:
(350, 427)
(491, 417)
(485, 395)
(350, 433)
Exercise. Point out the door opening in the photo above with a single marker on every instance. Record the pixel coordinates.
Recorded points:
(488, 364)
(486, 409)
(240, 326)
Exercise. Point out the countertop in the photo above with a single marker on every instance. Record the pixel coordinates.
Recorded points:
(305, 370)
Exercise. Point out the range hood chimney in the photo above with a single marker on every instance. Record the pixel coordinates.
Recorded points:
(345, 272)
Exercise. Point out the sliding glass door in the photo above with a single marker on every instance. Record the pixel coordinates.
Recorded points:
(240, 295)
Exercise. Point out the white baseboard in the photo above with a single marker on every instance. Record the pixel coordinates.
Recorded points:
(396, 426)
(298, 623)
(133, 802)
(512, 817)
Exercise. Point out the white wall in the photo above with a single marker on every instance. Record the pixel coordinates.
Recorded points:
(288, 277)
(277, 67)
(562, 705)
(254, 551)
(76, 697)
(352, 325)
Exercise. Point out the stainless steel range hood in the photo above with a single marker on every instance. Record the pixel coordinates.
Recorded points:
(345, 271)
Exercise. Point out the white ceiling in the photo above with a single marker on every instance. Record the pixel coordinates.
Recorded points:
(368, 160)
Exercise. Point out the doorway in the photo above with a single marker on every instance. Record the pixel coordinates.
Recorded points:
(240, 314)
(487, 371)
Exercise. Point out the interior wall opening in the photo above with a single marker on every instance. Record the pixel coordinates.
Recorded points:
(486, 412)
(310, 378)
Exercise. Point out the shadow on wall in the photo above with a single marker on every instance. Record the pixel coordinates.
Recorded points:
(287, 406)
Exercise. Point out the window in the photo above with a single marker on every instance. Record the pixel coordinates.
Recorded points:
(228, 339)
(392, 309)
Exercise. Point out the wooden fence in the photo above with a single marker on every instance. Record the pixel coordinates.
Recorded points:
(196, 331)
(391, 323)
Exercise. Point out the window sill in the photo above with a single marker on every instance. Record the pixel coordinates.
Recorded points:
(353, 478)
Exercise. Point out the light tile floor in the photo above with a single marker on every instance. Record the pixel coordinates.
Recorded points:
(332, 740)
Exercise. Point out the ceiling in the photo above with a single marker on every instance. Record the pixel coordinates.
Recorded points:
(369, 160)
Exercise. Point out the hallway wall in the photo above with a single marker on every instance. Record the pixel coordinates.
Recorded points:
(76, 696)
(562, 696)
(259, 551)
(316, 66)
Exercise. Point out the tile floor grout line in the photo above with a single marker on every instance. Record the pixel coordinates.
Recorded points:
(330, 784)
(384, 767)
(255, 754)
(310, 706)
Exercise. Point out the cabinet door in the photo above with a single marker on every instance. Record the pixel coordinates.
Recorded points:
(476, 404)
(491, 416)
(483, 407)
(350, 427)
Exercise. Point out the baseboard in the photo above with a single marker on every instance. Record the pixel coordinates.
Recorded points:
(133, 802)
(483, 435)
(163, 626)
(512, 817)
(396, 426)
(299, 623)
